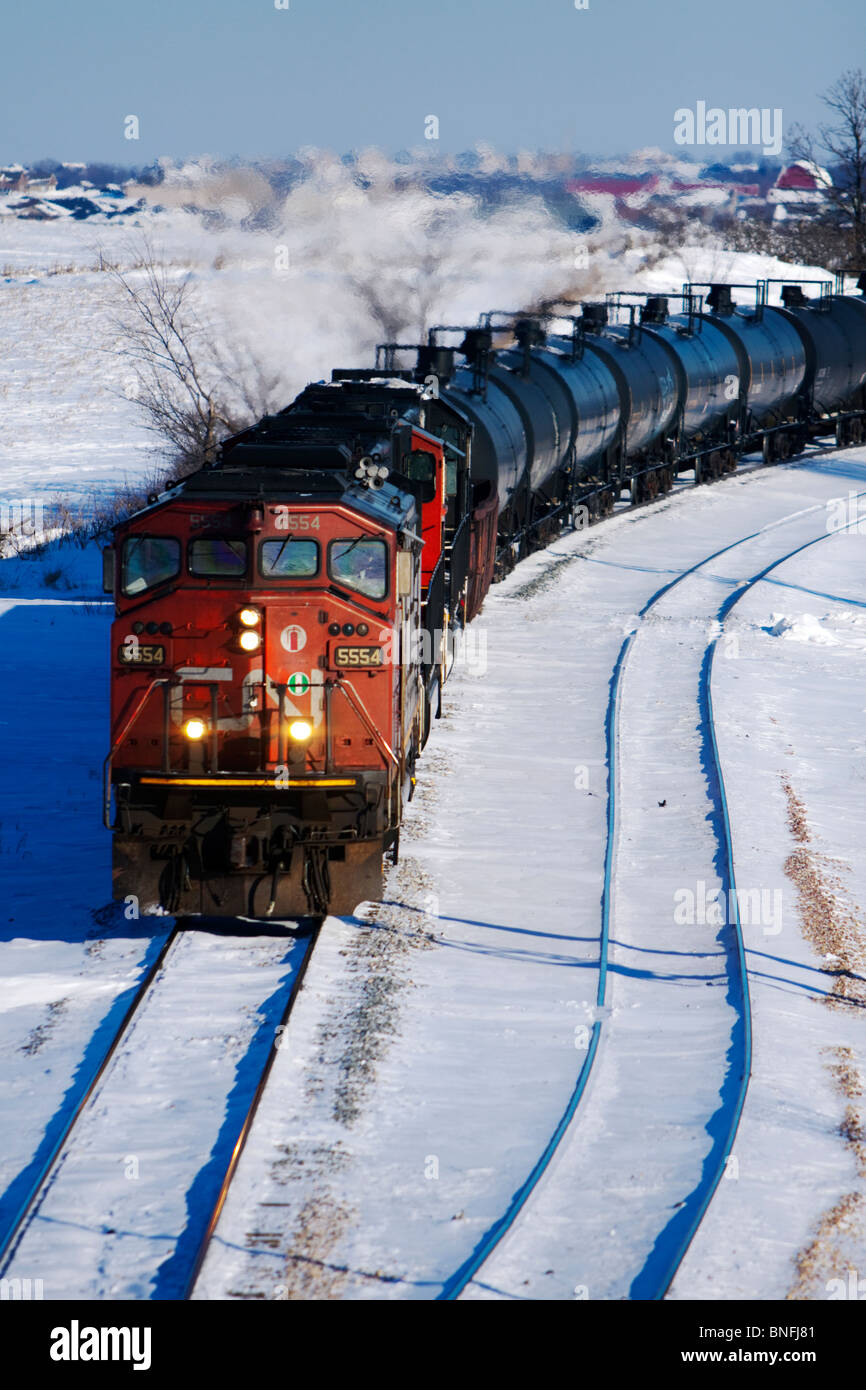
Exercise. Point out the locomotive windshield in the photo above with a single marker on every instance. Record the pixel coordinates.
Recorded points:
(289, 559)
(360, 564)
(225, 558)
(148, 561)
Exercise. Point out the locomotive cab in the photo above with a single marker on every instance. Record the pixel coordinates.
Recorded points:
(266, 696)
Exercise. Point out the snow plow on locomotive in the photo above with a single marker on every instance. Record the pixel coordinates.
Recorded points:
(285, 616)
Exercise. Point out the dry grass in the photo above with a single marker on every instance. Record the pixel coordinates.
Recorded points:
(828, 921)
(308, 1273)
(830, 1250)
(843, 1069)
(834, 928)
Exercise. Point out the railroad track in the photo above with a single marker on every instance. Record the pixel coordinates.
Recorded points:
(243, 1135)
(727, 1123)
(48, 1180)
(11, 1237)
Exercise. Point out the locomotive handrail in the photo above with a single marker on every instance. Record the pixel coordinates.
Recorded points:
(357, 704)
(106, 766)
(458, 561)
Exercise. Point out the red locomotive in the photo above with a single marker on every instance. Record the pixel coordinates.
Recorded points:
(279, 646)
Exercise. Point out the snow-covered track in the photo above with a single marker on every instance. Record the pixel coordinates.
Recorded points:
(9, 1239)
(238, 1149)
(713, 1178)
(128, 1200)
(659, 1271)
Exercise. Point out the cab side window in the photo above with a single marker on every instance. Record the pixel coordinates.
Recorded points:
(360, 564)
(147, 561)
(421, 466)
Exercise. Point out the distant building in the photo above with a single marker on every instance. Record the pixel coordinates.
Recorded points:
(799, 190)
(42, 185)
(803, 176)
(15, 179)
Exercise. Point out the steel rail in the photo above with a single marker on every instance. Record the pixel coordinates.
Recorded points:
(712, 1182)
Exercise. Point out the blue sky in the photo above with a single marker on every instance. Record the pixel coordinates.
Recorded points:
(242, 77)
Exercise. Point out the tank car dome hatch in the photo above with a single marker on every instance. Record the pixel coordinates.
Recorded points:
(476, 344)
(594, 317)
(793, 296)
(434, 360)
(720, 299)
(655, 310)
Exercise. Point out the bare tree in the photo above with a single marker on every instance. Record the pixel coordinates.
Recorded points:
(190, 392)
(843, 138)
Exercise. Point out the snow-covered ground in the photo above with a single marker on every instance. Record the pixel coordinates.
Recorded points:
(438, 1037)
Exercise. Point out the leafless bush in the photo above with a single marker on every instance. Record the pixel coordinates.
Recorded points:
(843, 138)
(190, 389)
(809, 241)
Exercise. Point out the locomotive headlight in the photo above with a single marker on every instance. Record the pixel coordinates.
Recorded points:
(300, 730)
(250, 641)
(195, 729)
(249, 617)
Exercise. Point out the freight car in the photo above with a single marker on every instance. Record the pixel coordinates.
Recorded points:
(284, 616)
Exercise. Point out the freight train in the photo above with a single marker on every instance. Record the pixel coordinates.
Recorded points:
(285, 615)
